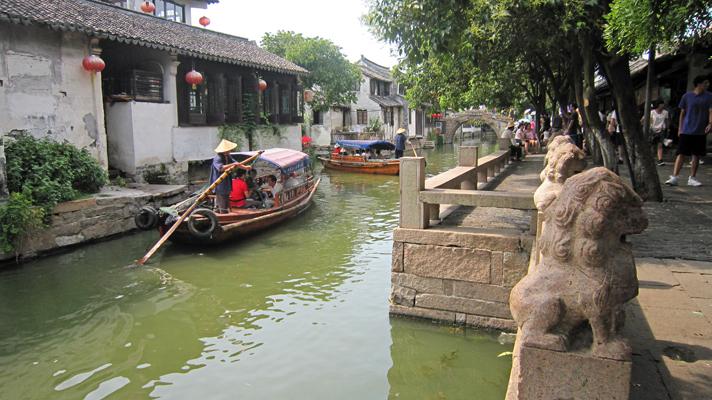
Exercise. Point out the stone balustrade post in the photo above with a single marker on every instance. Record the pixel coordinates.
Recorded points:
(413, 213)
(468, 158)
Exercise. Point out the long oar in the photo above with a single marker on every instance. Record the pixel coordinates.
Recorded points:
(190, 209)
(412, 147)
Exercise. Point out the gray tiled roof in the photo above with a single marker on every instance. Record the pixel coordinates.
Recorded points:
(373, 70)
(105, 21)
(389, 101)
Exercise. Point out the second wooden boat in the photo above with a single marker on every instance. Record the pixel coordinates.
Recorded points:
(367, 158)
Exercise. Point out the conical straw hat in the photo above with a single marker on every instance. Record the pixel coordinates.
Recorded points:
(401, 130)
(225, 145)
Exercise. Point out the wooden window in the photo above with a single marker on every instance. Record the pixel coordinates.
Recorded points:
(317, 118)
(374, 86)
(361, 117)
(169, 10)
(388, 115)
(234, 99)
(197, 103)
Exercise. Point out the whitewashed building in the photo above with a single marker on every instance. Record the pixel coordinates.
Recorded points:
(139, 114)
(379, 97)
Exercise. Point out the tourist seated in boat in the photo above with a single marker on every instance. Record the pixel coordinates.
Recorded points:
(274, 188)
(222, 162)
(240, 192)
(253, 185)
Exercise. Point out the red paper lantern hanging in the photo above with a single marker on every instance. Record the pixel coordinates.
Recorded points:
(93, 63)
(262, 85)
(148, 7)
(194, 78)
(308, 96)
(205, 21)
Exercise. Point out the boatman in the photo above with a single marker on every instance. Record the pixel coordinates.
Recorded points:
(222, 162)
(400, 142)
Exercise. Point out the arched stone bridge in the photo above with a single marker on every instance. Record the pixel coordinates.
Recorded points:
(453, 121)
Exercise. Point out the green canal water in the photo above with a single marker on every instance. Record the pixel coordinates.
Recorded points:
(298, 312)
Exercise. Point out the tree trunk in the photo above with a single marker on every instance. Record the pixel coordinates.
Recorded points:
(591, 107)
(646, 182)
(3, 175)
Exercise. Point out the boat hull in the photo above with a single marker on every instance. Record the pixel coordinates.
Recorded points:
(238, 225)
(390, 167)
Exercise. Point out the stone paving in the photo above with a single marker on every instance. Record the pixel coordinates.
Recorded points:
(521, 177)
(670, 322)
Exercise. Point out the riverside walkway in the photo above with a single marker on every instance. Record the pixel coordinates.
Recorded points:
(670, 322)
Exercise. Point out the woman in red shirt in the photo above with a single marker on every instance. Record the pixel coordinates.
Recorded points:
(239, 191)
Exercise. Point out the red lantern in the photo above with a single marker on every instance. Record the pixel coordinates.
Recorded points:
(148, 7)
(93, 63)
(262, 85)
(205, 21)
(194, 78)
(308, 96)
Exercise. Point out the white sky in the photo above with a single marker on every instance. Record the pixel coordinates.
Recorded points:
(336, 20)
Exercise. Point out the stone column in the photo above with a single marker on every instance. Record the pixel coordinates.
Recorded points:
(468, 158)
(101, 140)
(170, 86)
(413, 213)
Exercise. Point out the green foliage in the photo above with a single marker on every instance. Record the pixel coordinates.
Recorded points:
(634, 25)
(374, 125)
(332, 77)
(48, 172)
(18, 218)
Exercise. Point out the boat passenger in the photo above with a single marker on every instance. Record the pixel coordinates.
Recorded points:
(222, 162)
(240, 191)
(336, 151)
(275, 189)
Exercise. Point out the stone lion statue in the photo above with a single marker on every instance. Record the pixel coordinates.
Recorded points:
(562, 161)
(587, 270)
(551, 148)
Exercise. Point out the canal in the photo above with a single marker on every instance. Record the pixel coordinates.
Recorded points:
(298, 312)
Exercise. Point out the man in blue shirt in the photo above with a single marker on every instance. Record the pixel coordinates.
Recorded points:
(222, 162)
(695, 124)
(400, 142)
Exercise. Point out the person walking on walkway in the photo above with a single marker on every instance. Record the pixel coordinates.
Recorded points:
(400, 142)
(695, 125)
(659, 124)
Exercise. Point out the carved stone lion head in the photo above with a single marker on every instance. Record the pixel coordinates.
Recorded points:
(551, 147)
(563, 162)
(590, 218)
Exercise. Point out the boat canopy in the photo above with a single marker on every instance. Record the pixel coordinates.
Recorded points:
(366, 144)
(286, 160)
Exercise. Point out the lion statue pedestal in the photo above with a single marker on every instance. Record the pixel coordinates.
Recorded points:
(569, 308)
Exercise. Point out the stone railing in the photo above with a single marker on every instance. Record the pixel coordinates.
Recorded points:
(457, 274)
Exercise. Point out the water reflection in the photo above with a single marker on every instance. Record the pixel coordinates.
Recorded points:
(297, 312)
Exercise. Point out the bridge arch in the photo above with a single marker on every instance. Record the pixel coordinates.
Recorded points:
(455, 120)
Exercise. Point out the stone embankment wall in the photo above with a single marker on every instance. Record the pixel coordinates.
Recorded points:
(460, 277)
(108, 213)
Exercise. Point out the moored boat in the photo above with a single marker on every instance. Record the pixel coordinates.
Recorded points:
(205, 226)
(367, 160)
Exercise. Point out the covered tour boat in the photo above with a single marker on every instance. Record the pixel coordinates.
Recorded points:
(362, 156)
(205, 226)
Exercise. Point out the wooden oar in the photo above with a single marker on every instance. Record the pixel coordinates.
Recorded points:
(412, 147)
(190, 209)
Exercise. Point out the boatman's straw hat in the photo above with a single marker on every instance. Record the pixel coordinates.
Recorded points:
(401, 130)
(225, 145)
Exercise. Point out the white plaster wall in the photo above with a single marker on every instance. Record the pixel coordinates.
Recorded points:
(46, 91)
(194, 143)
(152, 131)
(320, 135)
(198, 143)
(120, 137)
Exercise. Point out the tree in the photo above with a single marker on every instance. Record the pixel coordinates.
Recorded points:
(332, 77)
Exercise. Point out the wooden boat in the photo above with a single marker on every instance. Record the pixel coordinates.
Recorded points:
(362, 163)
(206, 226)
